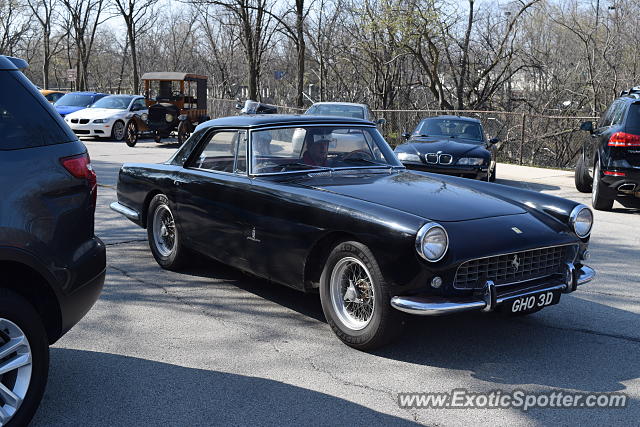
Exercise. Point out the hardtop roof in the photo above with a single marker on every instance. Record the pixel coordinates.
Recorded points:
(259, 120)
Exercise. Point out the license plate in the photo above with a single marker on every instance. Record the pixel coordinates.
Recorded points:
(534, 302)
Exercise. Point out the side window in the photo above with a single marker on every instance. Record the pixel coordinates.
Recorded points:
(241, 153)
(219, 153)
(139, 104)
(605, 120)
(618, 114)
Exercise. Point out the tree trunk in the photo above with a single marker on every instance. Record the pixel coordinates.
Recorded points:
(301, 51)
(134, 57)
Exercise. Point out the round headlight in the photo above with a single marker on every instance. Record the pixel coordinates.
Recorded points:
(581, 220)
(168, 118)
(432, 242)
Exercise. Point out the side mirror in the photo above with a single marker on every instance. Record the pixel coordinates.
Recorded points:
(587, 126)
(381, 121)
(494, 141)
(406, 135)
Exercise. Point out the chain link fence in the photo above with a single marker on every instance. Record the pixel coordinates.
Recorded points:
(525, 138)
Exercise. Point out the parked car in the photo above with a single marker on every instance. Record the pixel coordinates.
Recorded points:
(343, 109)
(374, 239)
(609, 164)
(53, 266)
(108, 117)
(75, 101)
(52, 95)
(177, 102)
(453, 145)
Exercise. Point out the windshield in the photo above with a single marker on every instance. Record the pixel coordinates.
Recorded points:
(319, 147)
(113, 102)
(336, 110)
(451, 128)
(74, 100)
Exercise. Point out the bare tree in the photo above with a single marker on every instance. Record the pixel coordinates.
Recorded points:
(13, 26)
(254, 19)
(45, 12)
(84, 17)
(138, 16)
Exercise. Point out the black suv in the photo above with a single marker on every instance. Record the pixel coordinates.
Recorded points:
(52, 264)
(609, 165)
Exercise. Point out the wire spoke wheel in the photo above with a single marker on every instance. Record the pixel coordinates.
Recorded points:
(15, 368)
(164, 230)
(352, 293)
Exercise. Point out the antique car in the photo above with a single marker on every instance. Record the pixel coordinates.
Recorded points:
(177, 103)
(451, 145)
(351, 222)
(75, 101)
(608, 166)
(109, 117)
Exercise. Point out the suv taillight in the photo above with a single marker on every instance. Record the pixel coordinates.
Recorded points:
(80, 167)
(623, 139)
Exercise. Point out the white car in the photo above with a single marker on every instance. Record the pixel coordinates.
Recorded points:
(108, 117)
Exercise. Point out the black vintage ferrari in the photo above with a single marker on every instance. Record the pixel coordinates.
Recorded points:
(322, 204)
(452, 145)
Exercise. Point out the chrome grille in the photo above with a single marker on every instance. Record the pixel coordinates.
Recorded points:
(513, 268)
(74, 120)
(445, 159)
(84, 121)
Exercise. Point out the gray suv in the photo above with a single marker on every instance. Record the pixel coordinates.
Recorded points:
(53, 266)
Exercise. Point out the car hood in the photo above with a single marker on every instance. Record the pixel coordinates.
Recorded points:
(68, 109)
(452, 146)
(425, 195)
(96, 113)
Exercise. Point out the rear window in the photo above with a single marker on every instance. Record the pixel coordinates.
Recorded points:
(336, 110)
(633, 119)
(25, 121)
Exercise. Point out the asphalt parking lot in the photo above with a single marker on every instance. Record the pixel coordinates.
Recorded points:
(214, 346)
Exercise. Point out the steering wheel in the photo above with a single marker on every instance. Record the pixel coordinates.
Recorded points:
(358, 155)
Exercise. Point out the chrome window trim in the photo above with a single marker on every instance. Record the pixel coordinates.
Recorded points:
(235, 156)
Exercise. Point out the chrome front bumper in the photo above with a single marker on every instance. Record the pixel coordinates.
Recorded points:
(441, 306)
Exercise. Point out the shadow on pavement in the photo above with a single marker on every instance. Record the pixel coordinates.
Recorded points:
(102, 389)
(560, 347)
